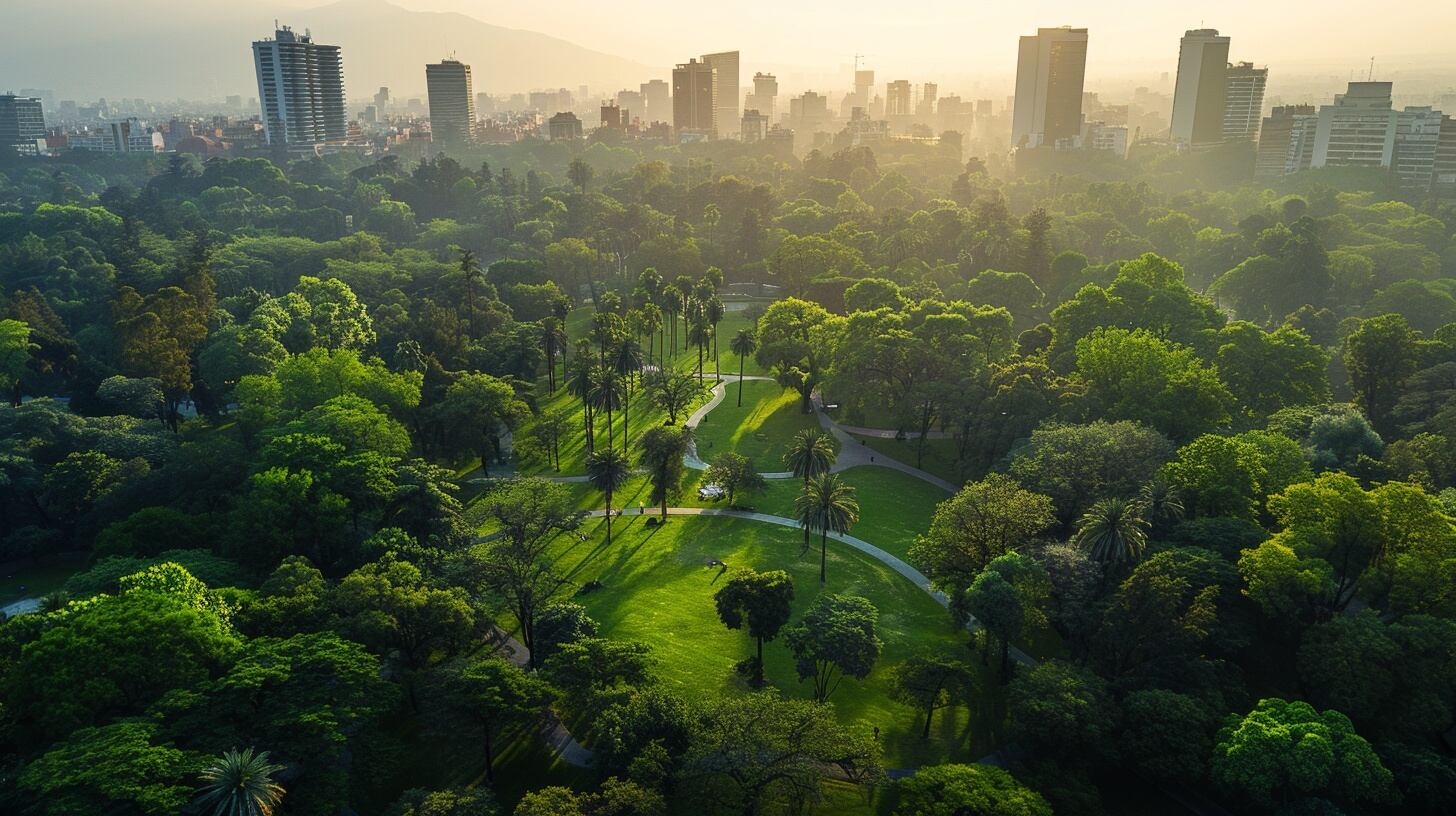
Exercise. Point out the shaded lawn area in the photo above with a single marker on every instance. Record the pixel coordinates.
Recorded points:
(657, 588)
(34, 579)
(939, 457)
(761, 430)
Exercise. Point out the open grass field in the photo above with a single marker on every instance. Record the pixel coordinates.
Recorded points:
(760, 430)
(939, 457)
(657, 587)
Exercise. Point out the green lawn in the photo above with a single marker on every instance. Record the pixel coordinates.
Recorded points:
(893, 507)
(939, 457)
(658, 588)
(760, 430)
(641, 415)
(26, 579)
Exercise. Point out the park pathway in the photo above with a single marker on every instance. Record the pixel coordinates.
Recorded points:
(552, 730)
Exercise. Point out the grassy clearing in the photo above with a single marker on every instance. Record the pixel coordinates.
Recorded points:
(658, 588)
(760, 430)
(939, 457)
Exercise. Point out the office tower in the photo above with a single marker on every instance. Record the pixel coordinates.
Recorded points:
(897, 98)
(656, 101)
(612, 116)
(1201, 89)
(725, 86)
(864, 83)
(765, 94)
(1050, 67)
(563, 125)
(1443, 167)
(301, 88)
(22, 124)
(1243, 101)
(1413, 157)
(632, 104)
(452, 102)
(381, 99)
(1358, 130)
(1286, 141)
(755, 126)
(695, 100)
(928, 93)
(808, 112)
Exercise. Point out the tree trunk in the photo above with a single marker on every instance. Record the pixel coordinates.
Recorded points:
(823, 551)
(609, 518)
(758, 672)
(740, 381)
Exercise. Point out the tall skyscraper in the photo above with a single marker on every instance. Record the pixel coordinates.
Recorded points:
(695, 100)
(1243, 101)
(632, 104)
(452, 102)
(1050, 67)
(656, 101)
(1358, 130)
(929, 91)
(725, 86)
(1201, 89)
(765, 93)
(897, 98)
(301, 89)
(22, 124)
(1286, 141)
(1417, 136)
(864, 86)
(1443, 167)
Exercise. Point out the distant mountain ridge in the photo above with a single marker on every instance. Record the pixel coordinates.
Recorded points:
(163, 49)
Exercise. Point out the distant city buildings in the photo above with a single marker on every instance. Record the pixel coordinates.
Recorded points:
(22, 124)
(755, 126)
(656, 101)
(1050, 68)
(129, 136)
(563, 126)
(898, 98)
(765, 95)
(725, 86)
(1358, 129)
(452, 102)
(1201, 89)
(1243, 106)
(695, 104)
(1286, 141)
(612, 116)
(301, 90)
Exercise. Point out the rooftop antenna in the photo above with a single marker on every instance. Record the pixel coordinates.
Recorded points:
(1371, 77)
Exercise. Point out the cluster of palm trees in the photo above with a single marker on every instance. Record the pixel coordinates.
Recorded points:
(825, 502)
(1114, 531)
(662, 304)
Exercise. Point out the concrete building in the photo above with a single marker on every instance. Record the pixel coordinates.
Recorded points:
(632, 104)
(1358, 130)
(1050, 67)
(128, 136)
(1200, 91)
(1443, 167)
(452, 101)
(755, 126)
(656, 101)
(695, 100)
(725, 87)
(1102, 136)
(300, 90)
(1417, 136)
(765, 94)
(1286, 141)
(809, 114)
(898, 98)
(22, 124)
(929, 94)
(563, 126)
(864, 85)
(1244, 101)
(612, 118)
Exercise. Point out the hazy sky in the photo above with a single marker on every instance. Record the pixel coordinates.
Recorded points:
(955, 36)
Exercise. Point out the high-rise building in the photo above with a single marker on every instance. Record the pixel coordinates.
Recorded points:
(765, 94)
(22, 124)
(632, 104)
(1443, 167)
(1243, 101)
(1286, 141)
(452, 102)
(1358, 130)
(612, 116)
(755, 126)
(656, 101)
(725, 86)
(695, 100)
(1417, 136)
(928, 93)
(1050, 67)
(301, 89)
(381, 99)
(1201, 89)
(808, 113)
(864, 84)
(898, 98)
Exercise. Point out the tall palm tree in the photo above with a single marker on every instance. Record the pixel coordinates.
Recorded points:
(744, 343)
(699, 334)
(607, 470)
(713, 310)
(810, 454)
(627, 362)
(827, 505)
(1113, 532)
(555, 340)
(651, 318)
(672, 304)
(1160, 502)
(582, 373)
(470, 270)
(607, 396)
(240, 783)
